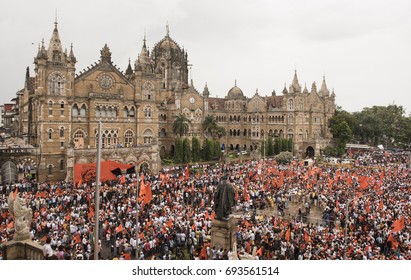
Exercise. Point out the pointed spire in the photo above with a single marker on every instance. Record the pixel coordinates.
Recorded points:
(235, 82)
(167, 30)
(129, 70)
(295, 86)
(285, 89)
(72, 58)
(324, 91)
(55, 49)
(206, 92)
(314, 88)
(332, 93)
(305, 88)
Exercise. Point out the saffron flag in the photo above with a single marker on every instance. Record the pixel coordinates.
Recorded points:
(363, 183)
(119, 228)
(122, 179)
(288, 235)
(145, 195)
(398, 224)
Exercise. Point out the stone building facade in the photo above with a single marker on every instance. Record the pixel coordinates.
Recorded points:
(60, 110)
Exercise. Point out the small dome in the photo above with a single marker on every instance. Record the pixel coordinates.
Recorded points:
(235, 92)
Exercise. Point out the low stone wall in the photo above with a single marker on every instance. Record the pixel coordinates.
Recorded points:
(22, 250)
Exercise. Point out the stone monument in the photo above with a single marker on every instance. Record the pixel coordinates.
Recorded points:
(21, 247)
(22, 217)
(224, 225)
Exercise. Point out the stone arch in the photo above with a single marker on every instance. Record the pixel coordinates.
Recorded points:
(309, 152)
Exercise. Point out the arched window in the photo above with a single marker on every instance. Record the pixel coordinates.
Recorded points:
(148, 135)
(50, 108)
(132, 112)
(83, 111)
(97, 111)
(50, 169)
(62, 164)
(61, 108)
(56, 84)
(125, 112)
(128, 138)
(50, 134)
(78, 139)
(147, 112)
(61, 132)
(74, 110)
(290, 104)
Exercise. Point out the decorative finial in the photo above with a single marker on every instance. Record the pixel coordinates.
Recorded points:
(55, 19)
(167, 30)
(235, 82)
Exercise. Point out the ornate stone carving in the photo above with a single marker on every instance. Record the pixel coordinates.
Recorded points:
(22, 216)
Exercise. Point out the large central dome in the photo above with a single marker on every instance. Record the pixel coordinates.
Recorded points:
(235, 93)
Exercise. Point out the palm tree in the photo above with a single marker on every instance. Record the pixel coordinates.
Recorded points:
(181, 125)
(210, 124)
(220, 131)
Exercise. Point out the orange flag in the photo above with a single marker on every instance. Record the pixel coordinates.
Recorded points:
(381, 205)
(288, 235)
(77, 238)
(398, 224)
(141, 235)
(122, 179)
(170, 223)
(145, 195)
(119, 228)
(394, 242)
(363, 183)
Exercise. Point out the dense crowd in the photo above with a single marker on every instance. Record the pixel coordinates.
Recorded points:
(175, 222)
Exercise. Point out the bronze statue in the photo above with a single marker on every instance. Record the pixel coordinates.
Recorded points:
(224, 199)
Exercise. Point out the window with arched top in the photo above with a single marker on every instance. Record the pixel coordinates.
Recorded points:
(56, 83)
(61, 164)
(128, 138)
(50, 169)
(74, 110)
(50, 134)
(132, 112)
(290, 104)
(61, 132)
(78, 139)
(50, 108)
(83, 111)
(62, 108)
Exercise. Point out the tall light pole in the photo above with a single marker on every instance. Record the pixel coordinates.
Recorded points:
(97, 197)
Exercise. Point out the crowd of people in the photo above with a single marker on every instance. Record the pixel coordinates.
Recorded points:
(365, 210)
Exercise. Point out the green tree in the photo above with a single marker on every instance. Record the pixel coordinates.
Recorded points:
(186, 151)
(178, 151)
(181, 125)
(195, 149)
(270, 147)
(209, 125)
(207, 149)
(216, 149)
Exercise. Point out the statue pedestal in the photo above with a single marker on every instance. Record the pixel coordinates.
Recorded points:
(223, 233)
(22, 250)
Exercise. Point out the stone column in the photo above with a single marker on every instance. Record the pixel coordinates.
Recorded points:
(223, 233)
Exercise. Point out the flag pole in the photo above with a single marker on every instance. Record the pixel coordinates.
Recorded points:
(97, 196)
(138, 183)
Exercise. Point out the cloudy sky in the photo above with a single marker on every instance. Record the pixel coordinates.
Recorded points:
(361, 46)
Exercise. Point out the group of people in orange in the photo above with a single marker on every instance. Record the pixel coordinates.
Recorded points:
(365, 209)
